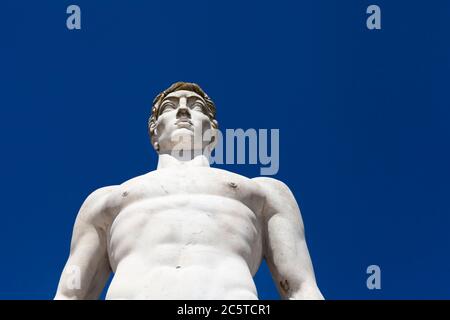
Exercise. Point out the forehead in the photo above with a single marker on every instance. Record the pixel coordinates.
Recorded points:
(182, 94)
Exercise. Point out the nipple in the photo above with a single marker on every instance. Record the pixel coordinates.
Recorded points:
(232, 185)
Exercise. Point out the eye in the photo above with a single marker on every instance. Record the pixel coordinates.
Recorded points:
(197, 107)
(168, 106)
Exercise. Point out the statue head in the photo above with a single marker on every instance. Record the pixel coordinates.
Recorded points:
(183, 118)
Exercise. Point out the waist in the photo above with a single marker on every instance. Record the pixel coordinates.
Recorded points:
(186, 279)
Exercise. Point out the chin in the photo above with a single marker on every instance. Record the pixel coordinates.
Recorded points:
(182, 139)
(182, 135)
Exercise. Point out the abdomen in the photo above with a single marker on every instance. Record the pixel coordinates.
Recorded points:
(184, 246)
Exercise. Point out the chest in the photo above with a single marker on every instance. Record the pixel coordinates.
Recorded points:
(167, 183)
(182, 209)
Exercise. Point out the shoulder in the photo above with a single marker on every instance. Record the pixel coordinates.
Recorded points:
(107, 196)
(98, 196)
(94, 205)
(140, 179)
(278, 197)
(272, 186)
(229, 177)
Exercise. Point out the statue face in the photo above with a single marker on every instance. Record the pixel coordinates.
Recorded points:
(182, 122)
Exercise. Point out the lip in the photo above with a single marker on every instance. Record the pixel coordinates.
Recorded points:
(184, 122)
(185, 125)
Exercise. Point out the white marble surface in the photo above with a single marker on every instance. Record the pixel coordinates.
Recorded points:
(186, 230)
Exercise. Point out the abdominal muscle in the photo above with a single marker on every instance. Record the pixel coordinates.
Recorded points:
(168, 252)
(230, 279)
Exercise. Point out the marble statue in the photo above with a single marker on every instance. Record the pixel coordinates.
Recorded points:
(187, 230)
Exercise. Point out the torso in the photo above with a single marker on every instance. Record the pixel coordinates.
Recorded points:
(185, 233)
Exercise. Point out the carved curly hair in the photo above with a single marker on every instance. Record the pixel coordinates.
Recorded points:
(210, 107)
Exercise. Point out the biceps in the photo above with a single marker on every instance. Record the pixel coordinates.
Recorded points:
(87, 261)
(285, 238)
(88, 250)
(87, 239)
(287, 253)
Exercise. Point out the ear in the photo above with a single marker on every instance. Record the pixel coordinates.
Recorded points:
(156, 146)
(214, 138)
(154, 140)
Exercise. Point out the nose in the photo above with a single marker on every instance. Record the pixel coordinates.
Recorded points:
(183, 110)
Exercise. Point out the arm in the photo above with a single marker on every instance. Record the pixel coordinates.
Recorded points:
(87, 268)
(285, 248)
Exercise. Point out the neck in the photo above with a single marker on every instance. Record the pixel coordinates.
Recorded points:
(167, 160)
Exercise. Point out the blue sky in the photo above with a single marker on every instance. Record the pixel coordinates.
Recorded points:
(363, 118)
